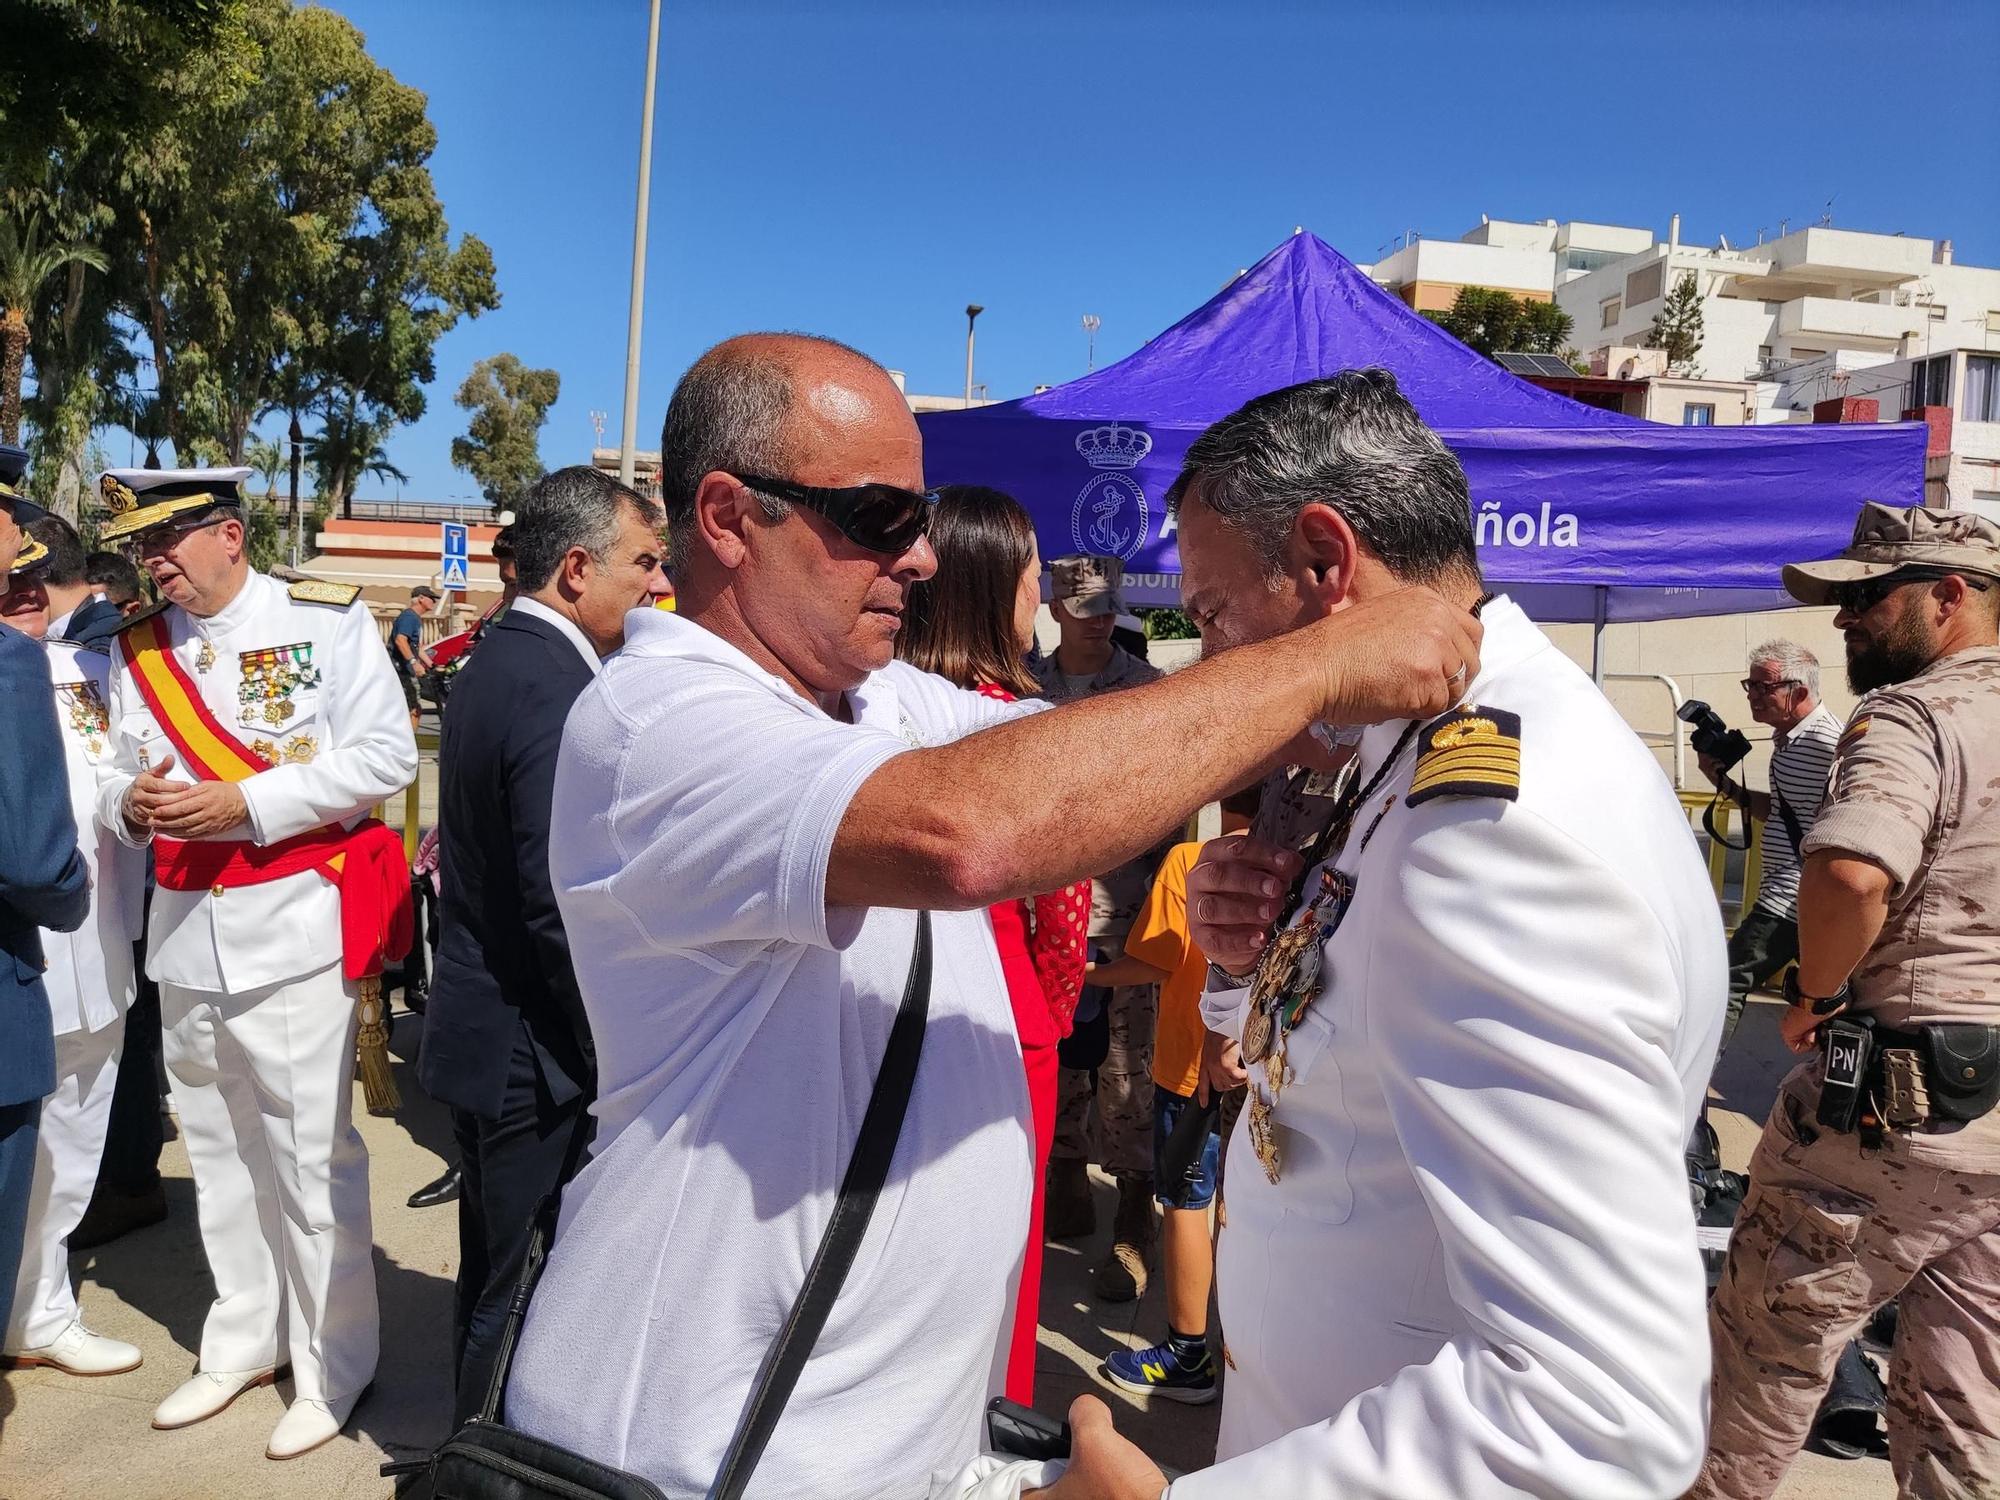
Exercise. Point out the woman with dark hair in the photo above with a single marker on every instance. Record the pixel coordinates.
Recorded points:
(973, 623)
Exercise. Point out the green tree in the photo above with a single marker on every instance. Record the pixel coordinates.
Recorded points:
(287, 215)
(1542, 328)
(268, 459)
(1496, 322)
(27, 263)
(502, 447)
(1677, 326)
(347, 449)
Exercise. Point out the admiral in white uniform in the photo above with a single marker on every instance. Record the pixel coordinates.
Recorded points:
(90, 985)
(259, 1017)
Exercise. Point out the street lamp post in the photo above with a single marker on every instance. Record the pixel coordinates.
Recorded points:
(972, 312)
(1091, 323)
(628, 440)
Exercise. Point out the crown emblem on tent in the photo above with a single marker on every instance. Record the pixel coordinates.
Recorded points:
(1113, 446)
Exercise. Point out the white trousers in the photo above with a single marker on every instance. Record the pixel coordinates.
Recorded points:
(263, 1083)
(67, 1152)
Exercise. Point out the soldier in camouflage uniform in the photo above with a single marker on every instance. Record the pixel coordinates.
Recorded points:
(1899, 927)
(1086, 605)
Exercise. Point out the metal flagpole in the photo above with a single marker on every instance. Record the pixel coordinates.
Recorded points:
(626, 442)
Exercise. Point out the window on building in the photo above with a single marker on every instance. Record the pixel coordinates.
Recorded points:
(1698, 416)
(1609, 312)
(1643, 285)
(1930, 382)
(1982, 388)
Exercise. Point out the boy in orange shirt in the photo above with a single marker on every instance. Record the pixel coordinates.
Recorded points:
(1159, 951)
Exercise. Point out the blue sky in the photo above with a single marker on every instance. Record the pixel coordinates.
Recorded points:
(865, 171)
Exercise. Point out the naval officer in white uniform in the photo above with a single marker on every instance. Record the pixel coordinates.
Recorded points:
(292, 685)
(1460, 1259)
(90, 986)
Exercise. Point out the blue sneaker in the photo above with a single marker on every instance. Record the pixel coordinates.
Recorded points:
(1158, 1371)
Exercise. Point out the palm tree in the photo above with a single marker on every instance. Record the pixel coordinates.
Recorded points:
(141, 414)
(268, 459)
(348, 448)
(26, 265)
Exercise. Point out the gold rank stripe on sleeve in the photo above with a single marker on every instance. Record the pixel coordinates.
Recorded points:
(1472, 752)
(318, 591)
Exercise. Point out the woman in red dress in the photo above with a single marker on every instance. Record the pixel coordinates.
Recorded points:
(973, 623)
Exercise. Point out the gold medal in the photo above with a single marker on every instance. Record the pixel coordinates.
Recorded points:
(266, 751)
(1263, 1134)
(300, 749)
(204, 658)
(1290, 964)
(1256, 1034)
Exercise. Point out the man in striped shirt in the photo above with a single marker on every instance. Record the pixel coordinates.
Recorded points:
(1783, 689)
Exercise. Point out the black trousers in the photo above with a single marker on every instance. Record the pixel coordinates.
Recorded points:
(509, 1164)
(134, 1134)
(1761, 946)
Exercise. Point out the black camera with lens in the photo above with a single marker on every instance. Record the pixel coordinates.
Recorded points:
(1710, 736)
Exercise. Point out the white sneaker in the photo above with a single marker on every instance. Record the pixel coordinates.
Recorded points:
(78, 1351)
(308, 1424)
(207, 1392)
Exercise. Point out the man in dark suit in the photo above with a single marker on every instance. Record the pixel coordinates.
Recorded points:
(43, 883)
(77, 612)
(506, 1043)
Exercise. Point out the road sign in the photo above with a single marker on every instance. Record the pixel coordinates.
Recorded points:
(455, 572)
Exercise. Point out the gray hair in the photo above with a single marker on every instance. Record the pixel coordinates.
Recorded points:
(1793, 662)
(729, 413)
(1351, 441)
(574, 507)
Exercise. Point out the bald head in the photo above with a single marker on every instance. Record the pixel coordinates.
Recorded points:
(782, 405)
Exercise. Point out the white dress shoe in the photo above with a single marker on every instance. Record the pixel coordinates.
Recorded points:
(306, 1425)
(207, 1392)
(78, 1351)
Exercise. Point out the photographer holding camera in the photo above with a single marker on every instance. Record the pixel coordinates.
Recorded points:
(1783, 689)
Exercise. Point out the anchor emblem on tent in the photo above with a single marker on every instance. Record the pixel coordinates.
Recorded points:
(1113, 501)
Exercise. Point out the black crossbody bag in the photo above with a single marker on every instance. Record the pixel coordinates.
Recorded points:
(488, 1460)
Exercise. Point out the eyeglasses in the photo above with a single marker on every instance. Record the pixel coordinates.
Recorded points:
(1752, 685)
(165, 537)
(1859, 597)
(880, 517)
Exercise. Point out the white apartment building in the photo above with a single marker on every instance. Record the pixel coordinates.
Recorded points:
(1816, 315)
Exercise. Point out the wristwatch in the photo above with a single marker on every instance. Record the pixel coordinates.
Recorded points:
(1819, 1005)
(1220, 978)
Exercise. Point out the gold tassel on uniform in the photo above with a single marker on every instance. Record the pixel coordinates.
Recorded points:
(371, 1045)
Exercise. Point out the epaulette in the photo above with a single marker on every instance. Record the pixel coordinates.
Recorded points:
(1470, 752)
(144, 615)
(318, 591)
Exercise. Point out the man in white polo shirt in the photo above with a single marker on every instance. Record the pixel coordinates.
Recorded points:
(752, 803)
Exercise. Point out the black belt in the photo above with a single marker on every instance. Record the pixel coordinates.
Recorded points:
(1957, 1067)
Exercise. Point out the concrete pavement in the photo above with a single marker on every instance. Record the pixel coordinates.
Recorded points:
(63, 1438)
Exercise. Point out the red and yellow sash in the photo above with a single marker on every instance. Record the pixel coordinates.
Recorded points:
(376, 917)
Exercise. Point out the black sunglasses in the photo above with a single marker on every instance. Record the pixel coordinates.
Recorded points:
(879, 517)
(1859, 597)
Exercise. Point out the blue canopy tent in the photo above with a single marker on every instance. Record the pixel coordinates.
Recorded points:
(1581, 514)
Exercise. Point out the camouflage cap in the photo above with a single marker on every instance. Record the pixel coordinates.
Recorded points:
(1890, 537)
(1087, 585)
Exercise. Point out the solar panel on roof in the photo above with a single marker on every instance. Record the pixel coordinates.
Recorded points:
(1543, 365)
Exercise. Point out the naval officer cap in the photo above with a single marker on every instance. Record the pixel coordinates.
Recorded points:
(136, 500)
(1894, 539)
(14, 465)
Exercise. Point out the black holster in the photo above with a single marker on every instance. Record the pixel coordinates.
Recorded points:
(1961, 1070)
(1846, 1049)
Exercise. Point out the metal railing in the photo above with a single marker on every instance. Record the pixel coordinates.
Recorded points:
(1694, 804)
(1676, 738)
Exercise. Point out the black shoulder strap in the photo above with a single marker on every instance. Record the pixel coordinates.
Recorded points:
(1792, 829)
(867, 1170)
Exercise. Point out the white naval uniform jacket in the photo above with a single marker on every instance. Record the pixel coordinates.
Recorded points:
(1477, 1275)
(356, 728)
(89, 977)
